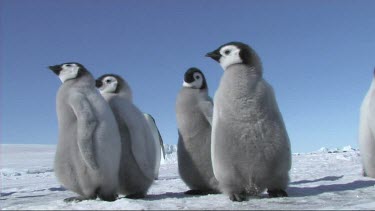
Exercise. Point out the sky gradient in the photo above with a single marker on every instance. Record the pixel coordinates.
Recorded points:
(318, 55)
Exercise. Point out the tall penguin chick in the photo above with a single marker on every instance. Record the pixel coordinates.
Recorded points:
(250, 145)
(367, 131)
(88, 151)
(194, 117)
(138, 163)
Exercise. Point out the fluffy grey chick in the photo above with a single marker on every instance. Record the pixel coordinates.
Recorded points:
(138, 161)
(89, 149)
(250, 145)
(194, 117)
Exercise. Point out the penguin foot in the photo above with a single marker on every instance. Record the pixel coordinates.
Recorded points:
(77, 199)
(238, 197)
(277, 193)
(136, 196)
(196, 192)
(111, 197)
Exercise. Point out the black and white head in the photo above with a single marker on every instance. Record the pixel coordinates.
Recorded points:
(234, 53)
(107, 84)
(112, 83)
(194, 79)
(69, 70)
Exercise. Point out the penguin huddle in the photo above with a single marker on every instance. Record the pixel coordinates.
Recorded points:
(106, 146)
(236, 144)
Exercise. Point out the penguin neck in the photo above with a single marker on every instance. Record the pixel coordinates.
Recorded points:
(193, 94)
(239, 81)
(125, 93)
(245, 70)
(120, 95)
(84, 80)
(203, 91)
(196, 91)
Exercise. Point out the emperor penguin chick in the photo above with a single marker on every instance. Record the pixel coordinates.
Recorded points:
(194, 116)
(138, 163)
(367, 131)
(250, 145)
(89, 148)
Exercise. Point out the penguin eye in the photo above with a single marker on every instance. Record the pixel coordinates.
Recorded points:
(68, 65)
(227, 52)
(197, 77)
(108, 80)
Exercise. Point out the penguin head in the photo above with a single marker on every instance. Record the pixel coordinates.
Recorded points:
(194, 79)
(67, 71)
(107, 84)
(112, 83)
(232, 53)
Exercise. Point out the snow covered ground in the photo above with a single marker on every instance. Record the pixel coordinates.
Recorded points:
(325, 179)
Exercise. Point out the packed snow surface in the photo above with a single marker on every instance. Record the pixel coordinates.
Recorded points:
(324, 179)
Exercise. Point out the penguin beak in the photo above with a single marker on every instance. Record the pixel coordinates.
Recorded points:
(98, 83)
(56, 69)
(215, 55)
(188, 78)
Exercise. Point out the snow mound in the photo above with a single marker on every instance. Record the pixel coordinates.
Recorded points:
(324, 150)
(39, 170)
(170, 153)
(348, 149)
(170, 148)
(9, 172)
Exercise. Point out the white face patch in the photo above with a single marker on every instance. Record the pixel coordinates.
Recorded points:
(109, 85)
(184, 84)
(197, 83)
(230, 54)
(69, 71)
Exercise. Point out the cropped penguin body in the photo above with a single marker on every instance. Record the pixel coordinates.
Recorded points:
(367, 132)
(88, 151)
(137, 166)
(250, 144)
(194, 117)
(159, 147)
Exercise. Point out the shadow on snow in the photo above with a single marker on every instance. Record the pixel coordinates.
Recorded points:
(328, 178)
(168, 195)
(312, 191)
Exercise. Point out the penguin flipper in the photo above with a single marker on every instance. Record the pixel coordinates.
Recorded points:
(149, 116)
(154, 128)
(141, 139)
(161, 143)
(207, 109)
(86, 124)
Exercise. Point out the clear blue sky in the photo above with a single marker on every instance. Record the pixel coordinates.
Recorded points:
(318, 55)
